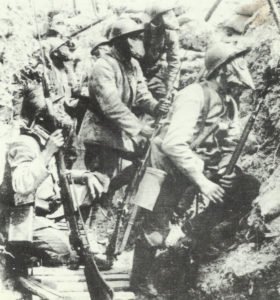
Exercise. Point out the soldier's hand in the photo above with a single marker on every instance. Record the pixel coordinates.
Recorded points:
(227, 181)
(55, 142)
(162, 107)
(211, 190)
(95, 187)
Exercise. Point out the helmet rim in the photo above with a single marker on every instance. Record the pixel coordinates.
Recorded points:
(235, 54)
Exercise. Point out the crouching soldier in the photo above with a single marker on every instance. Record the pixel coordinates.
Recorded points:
(35, 183)
(196, 109)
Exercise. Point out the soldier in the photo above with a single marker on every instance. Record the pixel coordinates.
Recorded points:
(161, 62)
(118, 93)
(34, 178)
(195, 109)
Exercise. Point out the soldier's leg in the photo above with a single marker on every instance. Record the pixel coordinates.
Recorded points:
(50, 244)
(155, 229)
(101, 159)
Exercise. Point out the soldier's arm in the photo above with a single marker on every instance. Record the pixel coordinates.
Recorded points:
(102, 86)
(144, 99)
(28, 167)
(172, 57)
(176, 144)
(96, 182)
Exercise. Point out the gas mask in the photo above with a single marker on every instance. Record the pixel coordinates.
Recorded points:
(136, 46)
(238, 74)
(169, 20)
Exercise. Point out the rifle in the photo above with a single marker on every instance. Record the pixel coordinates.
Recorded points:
(246, 131)
(129, 193)
(212, 10)
(78, 32)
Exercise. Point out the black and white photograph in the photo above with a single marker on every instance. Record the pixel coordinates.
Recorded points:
(140, 149)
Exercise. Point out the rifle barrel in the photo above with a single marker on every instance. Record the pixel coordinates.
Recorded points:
(212, 10)
(240, 146)
(129, 227)
(78, 32)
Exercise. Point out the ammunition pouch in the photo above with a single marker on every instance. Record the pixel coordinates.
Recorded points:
(21, 224)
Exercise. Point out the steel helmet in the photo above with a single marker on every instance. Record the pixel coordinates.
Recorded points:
(220, 54)
(98, 41)
(157, 8)
(123, 27)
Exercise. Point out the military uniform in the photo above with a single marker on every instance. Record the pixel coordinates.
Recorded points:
(33, 182)
(118, 94)
(161, 62)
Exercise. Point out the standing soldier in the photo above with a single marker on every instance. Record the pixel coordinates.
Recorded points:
(118, 93)
(196, 108)
(161, 62)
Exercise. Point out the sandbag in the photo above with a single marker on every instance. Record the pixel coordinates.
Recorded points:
(238, 23)
(250, 7)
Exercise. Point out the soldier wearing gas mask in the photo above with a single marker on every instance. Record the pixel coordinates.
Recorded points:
(196, 108)
(118, 95)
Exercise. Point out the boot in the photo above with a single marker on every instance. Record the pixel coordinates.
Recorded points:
(142, 263)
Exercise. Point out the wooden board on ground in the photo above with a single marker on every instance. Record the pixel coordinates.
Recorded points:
(72, 284)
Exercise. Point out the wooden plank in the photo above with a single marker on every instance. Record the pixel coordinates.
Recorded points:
(82, 286)
(71, 287)
(85, 296)
(39, 289)
(81, 277)
(77, 295)
(64, 271)
(117, 277)
(124, 296)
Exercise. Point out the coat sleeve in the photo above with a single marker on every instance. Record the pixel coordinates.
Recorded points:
(172, 57)
(176, 143)
(144, 99)
(28, 168)
(102, 87)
